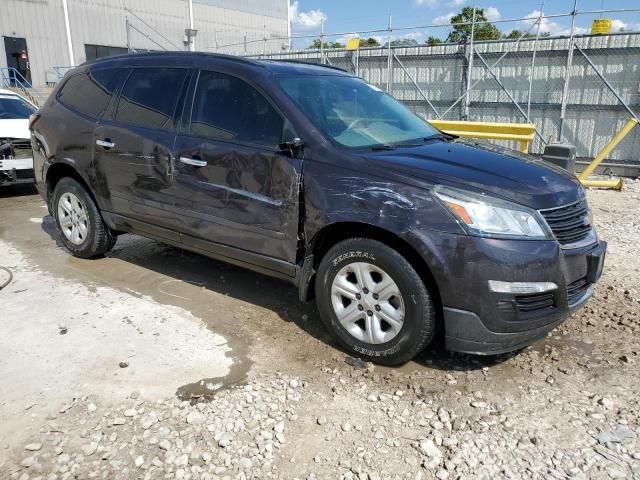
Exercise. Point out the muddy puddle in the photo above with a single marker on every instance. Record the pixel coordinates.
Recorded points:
(170, 276)
(206, 389)
(564, 343)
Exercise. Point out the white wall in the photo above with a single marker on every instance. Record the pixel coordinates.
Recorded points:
(102, 22)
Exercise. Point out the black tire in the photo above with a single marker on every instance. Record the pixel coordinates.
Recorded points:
(99, 239)
(419, 314)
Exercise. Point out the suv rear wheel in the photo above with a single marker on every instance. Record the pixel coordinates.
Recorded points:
(373, 300)
(79, 222)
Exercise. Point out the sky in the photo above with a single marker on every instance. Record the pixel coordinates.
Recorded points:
(346, 16)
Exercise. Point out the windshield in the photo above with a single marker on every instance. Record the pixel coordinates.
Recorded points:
(12, 107)
(354, 113)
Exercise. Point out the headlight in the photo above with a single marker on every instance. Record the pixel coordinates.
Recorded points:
(492, 217)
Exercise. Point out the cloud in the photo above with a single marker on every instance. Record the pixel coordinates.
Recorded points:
(345, 38)
(305, 20)
(619, 26)
(492, 14)
(443, 19)
(457, 3)
(548, 26)
(427, 3)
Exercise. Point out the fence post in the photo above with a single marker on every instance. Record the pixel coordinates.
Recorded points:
(322, 60)
(389, 59)
(467, 100)
(567, 72)
(128, 30)
(533, 61)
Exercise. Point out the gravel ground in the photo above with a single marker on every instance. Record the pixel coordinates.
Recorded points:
(566, 407)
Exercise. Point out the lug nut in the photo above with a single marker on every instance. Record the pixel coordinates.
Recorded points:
(358, 296)
(365, 290)
(377, 308)
(369, 312)
(360, 307)
(375, 296)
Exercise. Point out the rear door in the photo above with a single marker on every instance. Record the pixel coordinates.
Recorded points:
(133, 147)
(69, 124)
(236, 194)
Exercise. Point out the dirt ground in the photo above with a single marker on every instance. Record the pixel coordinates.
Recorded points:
(157, 363)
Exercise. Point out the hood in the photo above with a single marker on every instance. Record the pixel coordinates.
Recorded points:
(15, 128)
(484, 168)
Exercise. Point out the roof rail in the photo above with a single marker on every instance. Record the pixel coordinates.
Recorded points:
(315, 64)
(171, 52)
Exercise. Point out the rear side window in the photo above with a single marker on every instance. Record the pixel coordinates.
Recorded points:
(89, 92)
(229, 109)
(149, 97)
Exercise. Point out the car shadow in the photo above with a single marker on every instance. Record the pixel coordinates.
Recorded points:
(262, 291)
(20, 190)
(49, 227)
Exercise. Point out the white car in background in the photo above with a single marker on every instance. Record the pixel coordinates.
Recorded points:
(16, 158)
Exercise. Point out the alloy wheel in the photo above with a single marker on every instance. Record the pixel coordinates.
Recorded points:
(367, 302)
(73, 219)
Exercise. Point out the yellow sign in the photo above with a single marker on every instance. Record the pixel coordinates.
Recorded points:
(601, 26)
(353, 44)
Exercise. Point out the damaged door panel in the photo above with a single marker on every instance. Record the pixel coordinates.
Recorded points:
(232, 183)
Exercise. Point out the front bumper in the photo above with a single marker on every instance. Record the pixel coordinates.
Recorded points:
(480, 321)
(466, 333)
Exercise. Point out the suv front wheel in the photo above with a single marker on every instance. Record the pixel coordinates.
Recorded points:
(79, 222)
(373, 300)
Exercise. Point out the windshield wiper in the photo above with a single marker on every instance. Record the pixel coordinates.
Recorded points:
(441, 135)
(383, 146)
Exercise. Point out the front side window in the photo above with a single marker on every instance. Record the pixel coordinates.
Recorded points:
(89, 92)
(14, 107)
(354, 113)
(229, 109)
(149, 97)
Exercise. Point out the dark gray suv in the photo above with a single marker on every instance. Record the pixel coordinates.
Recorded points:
(309, 174)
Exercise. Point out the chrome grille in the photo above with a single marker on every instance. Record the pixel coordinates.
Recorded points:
(569, 223)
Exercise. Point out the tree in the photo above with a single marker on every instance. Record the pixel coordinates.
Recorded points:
(484, 30)
(318, 44)
(516, 34)
(403, 42)
(431, 41)
(513, 34)
(369, 42)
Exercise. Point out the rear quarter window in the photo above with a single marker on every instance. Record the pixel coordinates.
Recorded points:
(90, 91)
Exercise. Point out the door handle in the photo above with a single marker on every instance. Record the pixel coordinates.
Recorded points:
(193, 161)
(105, 143)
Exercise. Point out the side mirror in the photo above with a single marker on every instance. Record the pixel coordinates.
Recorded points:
(292, 147)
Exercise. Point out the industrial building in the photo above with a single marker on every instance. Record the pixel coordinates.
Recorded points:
(43, 38)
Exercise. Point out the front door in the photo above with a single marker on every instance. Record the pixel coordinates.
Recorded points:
(133, 152)
(233, 188)
(18, 58)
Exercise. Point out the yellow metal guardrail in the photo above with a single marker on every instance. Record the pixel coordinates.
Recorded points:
(520, 132)
(524, 133)
(614, 184)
